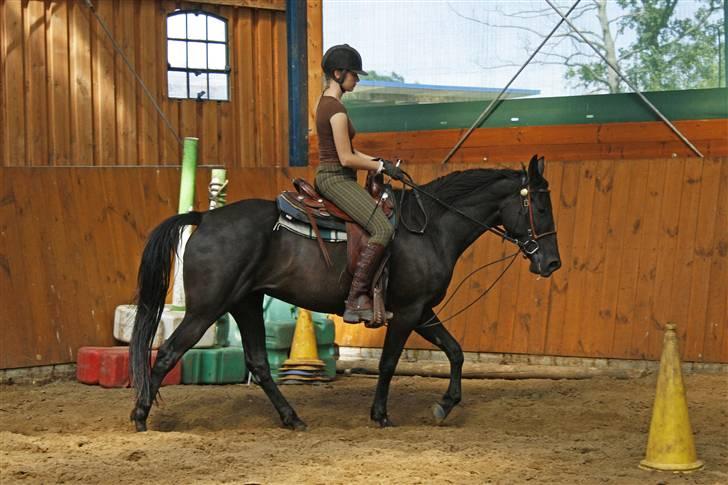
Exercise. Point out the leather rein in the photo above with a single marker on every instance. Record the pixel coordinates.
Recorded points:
(528, 247)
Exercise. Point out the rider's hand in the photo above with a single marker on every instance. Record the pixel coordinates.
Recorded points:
(389, 168)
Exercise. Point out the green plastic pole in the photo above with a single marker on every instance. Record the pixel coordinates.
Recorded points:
(187, 181)
(186, 204)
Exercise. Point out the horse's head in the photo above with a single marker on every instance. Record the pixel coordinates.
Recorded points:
(527, 217)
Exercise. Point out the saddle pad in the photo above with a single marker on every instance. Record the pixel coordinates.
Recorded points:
(287, 208)
(304, 229)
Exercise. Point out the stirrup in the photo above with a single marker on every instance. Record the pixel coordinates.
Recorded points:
(358, 316)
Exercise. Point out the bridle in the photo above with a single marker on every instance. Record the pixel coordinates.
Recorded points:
(528, 247)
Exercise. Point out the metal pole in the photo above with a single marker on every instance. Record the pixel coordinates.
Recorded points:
(627, 81)
(118, 49)
(487, 110)
(297, 83)
(725, 44)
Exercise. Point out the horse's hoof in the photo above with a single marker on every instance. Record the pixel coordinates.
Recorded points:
(296, 425)
(384, 422)
(439, 413)
(139, 419)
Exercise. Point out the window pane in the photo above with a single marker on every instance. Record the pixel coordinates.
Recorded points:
(197, 55)
(177, 84)
(219, 86)
(196, 26)
(215, 29)
(176, 26)
(176, 53)
(216, 56)
(198, 84)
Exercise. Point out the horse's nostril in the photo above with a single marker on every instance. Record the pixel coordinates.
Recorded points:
(554, 265)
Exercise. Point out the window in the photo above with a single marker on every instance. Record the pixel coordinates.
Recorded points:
(475, 48)
(197, 56)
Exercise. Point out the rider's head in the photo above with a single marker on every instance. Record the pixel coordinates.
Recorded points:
(342, 63)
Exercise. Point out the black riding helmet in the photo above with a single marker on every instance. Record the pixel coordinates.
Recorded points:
(342, 57)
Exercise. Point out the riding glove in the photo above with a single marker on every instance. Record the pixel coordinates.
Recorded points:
(389, 168)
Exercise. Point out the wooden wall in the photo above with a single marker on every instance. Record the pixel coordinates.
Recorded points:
(616, 141)
(70, 243)
(67, 98)
(643, 242)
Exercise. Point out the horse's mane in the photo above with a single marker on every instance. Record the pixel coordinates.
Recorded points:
(455, 186)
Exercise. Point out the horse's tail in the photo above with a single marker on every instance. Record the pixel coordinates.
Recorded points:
(152, 287)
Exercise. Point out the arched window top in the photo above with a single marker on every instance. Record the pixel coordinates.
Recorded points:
(197, 55)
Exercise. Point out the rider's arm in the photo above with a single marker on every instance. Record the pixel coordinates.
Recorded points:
(363, 154)
(349, 158)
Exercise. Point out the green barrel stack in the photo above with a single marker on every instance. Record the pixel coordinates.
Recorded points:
(225, 364)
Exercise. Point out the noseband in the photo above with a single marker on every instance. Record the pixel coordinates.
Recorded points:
(531, 246)
(528, 247)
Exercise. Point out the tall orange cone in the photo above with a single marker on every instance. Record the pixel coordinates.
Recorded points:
(303, 363)
(670, 446)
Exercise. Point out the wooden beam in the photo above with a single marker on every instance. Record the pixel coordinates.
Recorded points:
(264, 4)
(314, 18)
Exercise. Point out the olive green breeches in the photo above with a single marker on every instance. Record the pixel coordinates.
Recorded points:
(349, 196)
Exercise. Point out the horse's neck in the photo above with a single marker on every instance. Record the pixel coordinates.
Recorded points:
(455, 233)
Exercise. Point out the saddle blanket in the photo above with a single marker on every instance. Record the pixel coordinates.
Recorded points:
(302, 229)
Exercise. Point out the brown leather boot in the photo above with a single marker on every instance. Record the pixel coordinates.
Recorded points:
(359, 302)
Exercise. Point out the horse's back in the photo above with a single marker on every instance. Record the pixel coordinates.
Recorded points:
(228, 239)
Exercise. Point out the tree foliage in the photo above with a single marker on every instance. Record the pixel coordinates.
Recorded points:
(375, 76)
(668, 51)
(654, 45)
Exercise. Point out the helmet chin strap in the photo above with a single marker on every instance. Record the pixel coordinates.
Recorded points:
(340, 81)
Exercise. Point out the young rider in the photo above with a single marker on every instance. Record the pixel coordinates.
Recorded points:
(336, 174)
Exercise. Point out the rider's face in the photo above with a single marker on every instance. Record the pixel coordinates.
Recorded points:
(350, 81)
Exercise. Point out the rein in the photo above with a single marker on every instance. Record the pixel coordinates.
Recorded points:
(527, 247)
(434, 321)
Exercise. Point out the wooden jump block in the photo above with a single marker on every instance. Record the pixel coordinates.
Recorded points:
(109, 367)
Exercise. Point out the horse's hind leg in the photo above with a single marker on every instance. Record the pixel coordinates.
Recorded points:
(438, 335)
(249, 316)
(189, 332)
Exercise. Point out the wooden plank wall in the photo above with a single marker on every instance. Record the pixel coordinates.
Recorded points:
(617, 141)
(643, 242)
(70, 243)
(67, 98)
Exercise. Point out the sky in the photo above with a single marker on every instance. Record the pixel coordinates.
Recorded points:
(432, 41)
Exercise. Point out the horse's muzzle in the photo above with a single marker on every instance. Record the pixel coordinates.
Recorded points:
(544, 264)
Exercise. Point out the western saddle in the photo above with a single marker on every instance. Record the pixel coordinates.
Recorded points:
(306, 205)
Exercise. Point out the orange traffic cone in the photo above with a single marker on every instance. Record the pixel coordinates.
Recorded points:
(303, 363)
(670, 445)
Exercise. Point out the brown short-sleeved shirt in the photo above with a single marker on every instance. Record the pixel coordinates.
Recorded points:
(328, 106)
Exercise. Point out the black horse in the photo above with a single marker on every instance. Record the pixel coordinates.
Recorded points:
(235, 257)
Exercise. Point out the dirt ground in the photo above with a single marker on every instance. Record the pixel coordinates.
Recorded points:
(537, 431)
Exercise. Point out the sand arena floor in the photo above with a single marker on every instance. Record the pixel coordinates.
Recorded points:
(527, 431)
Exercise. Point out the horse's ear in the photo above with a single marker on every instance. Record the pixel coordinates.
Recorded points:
(535, 168)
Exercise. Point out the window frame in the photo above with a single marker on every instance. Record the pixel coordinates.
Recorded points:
(197, 71)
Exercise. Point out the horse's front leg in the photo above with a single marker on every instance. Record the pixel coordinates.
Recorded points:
(438, 335)
(392, 350)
